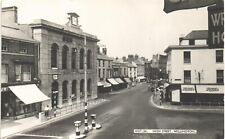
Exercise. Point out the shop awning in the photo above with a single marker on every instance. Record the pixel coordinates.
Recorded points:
(119, 80)
(112, 81)
(166, 85)
(188, 89)
(99, 84)
(28, 93)
(210, 89)
(106, 84)
(127, 80)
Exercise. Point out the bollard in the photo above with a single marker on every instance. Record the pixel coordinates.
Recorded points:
(94, 124)
(93, 116)
(77, 135)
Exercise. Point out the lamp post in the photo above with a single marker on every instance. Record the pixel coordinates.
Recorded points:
(85, 86)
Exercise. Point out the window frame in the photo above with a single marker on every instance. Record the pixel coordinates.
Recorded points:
(187, 79)
(185, 59)
(219, 58)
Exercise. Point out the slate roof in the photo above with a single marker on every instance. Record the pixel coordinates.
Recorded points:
(13, 32)
(197, 34)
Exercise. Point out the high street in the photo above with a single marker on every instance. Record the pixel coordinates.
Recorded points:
(129, 110)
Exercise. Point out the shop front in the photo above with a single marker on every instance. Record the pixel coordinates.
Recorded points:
(210, 93)
(21, 101)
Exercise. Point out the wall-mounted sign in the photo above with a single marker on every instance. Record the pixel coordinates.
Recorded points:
(216, 26)
(55, 77)
(188, 89)
(210, 89)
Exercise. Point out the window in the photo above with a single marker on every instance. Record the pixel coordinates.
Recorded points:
(187, 76)
(64, 91)
(23, 47)
(82, 58)
(89, 59)
(74, 58)
(64, 57)
(187, 57)
(219, 76)
(23, 72)
(26, 72)
(89, 87)
(74, 89)
(18, 72)
(54, 50)
(5, 44)
(219, 55)
(4, 73)
(103, 63)
(82, 88)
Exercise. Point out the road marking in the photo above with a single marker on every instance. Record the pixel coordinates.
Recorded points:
(43, 136)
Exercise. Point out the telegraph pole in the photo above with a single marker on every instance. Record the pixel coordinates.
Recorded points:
(85, 86)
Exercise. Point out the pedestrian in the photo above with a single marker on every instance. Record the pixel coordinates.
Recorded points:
(47, 111)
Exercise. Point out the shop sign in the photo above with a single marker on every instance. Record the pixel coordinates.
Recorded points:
(175, 95)
(216, 26)
(210, 89)
(188, 89)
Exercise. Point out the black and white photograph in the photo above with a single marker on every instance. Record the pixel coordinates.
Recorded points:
(112, 69)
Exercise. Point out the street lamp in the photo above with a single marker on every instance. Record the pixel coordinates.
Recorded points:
(85, 86)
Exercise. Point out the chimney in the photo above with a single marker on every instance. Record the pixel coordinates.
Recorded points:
(9, 15)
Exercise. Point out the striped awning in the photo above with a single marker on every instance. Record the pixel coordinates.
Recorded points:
(112, 81)
(119, 80)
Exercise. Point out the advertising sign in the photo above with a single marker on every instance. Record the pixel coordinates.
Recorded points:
(176, 96)
(210, 89)
(216, 26)
(188, 89)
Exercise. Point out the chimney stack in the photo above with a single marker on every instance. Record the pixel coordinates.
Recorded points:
(9, 15)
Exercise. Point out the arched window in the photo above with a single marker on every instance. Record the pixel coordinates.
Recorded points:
(89, 87)
(73, 58)
(64, 91)
(82, 88)
(54, 51)
(74, 89)
(89, 59)
(82, 58)
(64, 57)
(55, 92)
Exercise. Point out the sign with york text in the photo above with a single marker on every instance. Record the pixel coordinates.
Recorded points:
(216, 27)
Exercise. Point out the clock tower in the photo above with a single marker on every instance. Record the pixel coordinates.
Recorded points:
(73, 19)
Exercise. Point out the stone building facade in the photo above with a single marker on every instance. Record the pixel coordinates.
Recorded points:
(61, 61)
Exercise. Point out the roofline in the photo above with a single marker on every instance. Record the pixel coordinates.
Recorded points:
(58, 29)
(17, 39)
(169, 48)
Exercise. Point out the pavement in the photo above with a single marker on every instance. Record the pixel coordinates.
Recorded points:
(12, 127)
(155, 101)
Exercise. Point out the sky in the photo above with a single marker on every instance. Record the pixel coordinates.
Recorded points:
(124, 26)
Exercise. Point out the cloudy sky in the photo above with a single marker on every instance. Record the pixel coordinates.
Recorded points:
(124, 26)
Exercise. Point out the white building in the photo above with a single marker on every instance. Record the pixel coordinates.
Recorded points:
(132, 71)
(195, 69)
